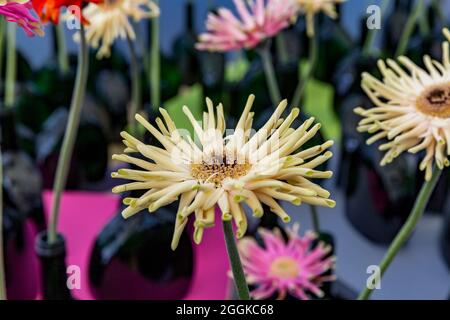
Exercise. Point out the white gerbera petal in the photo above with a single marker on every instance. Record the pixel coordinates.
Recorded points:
(224, 172)
(412, 110)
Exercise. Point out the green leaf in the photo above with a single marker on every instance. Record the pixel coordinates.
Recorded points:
(236, 69)
(318, 102)
(191, 97)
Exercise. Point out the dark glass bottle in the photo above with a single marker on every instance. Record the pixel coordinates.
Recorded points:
(22, 190)
(138, 249)
(88, 163)
(212, 74)
(22, 181)
(334, 43)
(185, 53)
(111, 90)
(53, 267)
(445, 233)
(346, 77)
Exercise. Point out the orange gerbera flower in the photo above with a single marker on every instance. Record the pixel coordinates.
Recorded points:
(49, 10)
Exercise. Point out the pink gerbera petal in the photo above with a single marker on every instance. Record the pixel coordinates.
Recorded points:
(294, 266)
(21, 13)
(257, 21)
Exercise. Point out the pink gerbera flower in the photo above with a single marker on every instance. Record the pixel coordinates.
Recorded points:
(20, 13)
(259, 20)
(294, 266)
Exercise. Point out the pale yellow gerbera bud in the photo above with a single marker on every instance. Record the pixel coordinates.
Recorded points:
(412, 110)
(310, 8)
(225, 169)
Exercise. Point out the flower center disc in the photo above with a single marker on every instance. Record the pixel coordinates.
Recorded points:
(217, 169)
(435, 101)
(284, 267)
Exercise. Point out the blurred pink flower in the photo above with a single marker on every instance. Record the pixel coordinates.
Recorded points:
(259, 20)
(20, 13)
(294, 267)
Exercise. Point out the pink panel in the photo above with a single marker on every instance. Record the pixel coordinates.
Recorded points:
(82, 217)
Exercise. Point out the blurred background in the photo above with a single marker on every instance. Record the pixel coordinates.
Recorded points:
(132, 258)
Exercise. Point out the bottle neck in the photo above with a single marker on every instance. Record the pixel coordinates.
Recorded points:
(189, 17)
(8, 138)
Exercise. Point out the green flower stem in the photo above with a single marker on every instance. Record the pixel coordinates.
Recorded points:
(313, 48)
(269, 72)
(424, 23)
(155, 64)
(65, 155)
(2, 261)
(2, 42)
(136, 88)
(11, 65)
(371, 34)
(409, 27)
(315, 218)
(408, 227)
(63, 57)
(281, 48)
(235, 262)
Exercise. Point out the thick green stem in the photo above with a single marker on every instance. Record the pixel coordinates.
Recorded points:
(11, 65)
(315, 218)
(235, 262)
(135, 88)
(371, 34)
(299, 90)
(409, 28)
(407, 229)
(63, 57)
(2, 260)
(269, 72)
(65, 155)
(155, 64)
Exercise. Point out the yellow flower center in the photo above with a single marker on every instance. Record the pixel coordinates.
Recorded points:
(435, 101)
(284, 267)
(217, 168)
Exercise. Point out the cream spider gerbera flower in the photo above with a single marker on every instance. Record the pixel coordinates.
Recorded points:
(312, 7)
(412, 110)
(110, 20)
(223, 168)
